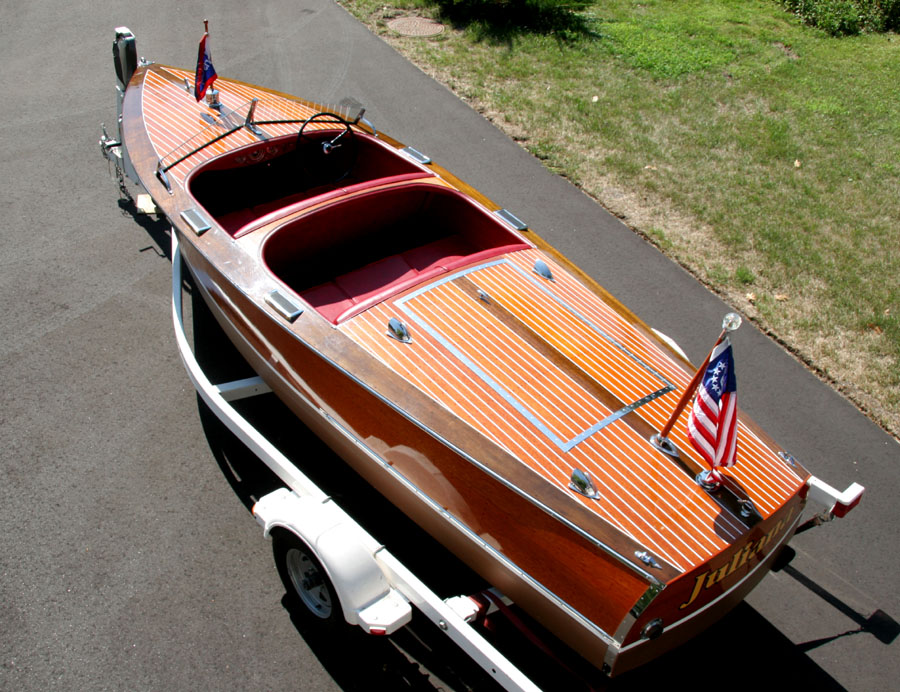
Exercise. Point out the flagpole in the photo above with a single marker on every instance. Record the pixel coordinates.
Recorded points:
(205, 74)
(661, 440)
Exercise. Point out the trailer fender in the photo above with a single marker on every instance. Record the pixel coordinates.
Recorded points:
(347, 554)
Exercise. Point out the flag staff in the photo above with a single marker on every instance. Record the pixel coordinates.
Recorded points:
(205, 74)
(730, 323)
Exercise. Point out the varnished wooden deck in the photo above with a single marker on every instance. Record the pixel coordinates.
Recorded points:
(550, 373)
(177, 124)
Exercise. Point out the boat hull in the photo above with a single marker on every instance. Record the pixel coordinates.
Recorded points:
(469, 512)
(696, 600)
(619, 576)
(436, 486)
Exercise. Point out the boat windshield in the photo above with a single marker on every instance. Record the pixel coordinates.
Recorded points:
(251, 116)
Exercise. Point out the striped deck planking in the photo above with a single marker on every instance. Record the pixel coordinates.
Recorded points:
(175, 121)
(467, 355)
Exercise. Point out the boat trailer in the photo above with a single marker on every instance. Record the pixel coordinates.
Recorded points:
(374, 589)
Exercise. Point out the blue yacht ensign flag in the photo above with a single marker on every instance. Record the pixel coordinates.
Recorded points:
(206, 73)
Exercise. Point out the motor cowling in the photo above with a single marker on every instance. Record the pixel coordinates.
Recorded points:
(124, 57)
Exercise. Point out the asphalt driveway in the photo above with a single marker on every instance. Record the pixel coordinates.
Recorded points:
(128, 559)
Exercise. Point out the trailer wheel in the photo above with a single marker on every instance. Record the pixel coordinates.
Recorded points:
(305, 579)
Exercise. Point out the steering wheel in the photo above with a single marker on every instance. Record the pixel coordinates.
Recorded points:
(327, 159)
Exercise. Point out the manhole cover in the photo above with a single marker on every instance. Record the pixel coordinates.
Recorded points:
(416, 26)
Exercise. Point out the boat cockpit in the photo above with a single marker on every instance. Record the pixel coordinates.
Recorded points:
(251, 186)
(346, 256)
(374, 223)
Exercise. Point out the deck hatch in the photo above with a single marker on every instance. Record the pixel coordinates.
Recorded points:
(460, 345)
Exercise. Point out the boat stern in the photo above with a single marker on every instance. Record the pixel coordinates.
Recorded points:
(667, 617)
(696, 599)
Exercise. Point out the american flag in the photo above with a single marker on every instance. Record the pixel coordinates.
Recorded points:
(206, 73)
(712, 425)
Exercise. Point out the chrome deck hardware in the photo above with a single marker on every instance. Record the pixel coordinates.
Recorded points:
(196, 220)
(664, 445)
(647, 559)
(541, 269)
(581, 483)
(249, 124)
(399, 331)
(283, 305)
(512, 219)
(416, 156)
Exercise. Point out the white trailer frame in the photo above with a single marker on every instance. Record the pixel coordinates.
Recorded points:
(374, 588)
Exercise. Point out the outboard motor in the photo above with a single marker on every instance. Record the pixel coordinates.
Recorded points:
(125, 59)
(126, 62)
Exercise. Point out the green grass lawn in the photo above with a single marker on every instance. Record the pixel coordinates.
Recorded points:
(761, 154)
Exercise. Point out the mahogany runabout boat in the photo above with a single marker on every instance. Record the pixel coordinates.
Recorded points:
(473, 375)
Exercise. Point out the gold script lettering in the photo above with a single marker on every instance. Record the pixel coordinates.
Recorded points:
(711, 577)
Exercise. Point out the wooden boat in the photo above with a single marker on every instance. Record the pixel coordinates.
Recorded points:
(468, 371)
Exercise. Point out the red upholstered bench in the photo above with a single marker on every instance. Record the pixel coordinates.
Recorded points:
(364, 248)
(262, 214)
(335, 298)
(437, 254)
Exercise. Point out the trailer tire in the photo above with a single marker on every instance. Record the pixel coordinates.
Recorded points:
(308, 585)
